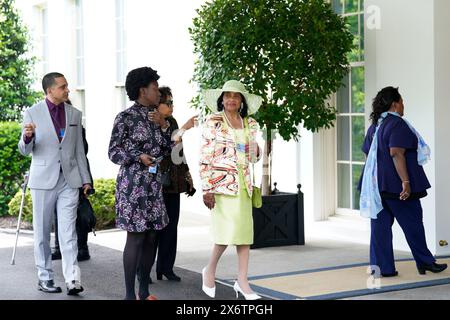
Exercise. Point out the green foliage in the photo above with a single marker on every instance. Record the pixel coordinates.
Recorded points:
(293, 53)
(102, 203)
(16, 67)
(12, 164)
(14, 206)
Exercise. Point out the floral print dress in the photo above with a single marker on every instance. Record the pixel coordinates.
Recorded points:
(139, 198)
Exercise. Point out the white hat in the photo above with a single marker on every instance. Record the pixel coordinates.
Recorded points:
(212, 95)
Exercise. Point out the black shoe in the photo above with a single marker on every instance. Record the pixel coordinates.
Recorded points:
(435, 268)
(74, 288)
(56, 254)
(48, 286)
(138, 276)
(389, 275)
(386, 275)
(169, 275)
(83, 255)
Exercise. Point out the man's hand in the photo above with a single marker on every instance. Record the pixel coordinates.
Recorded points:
(29, 130)
(86, 188)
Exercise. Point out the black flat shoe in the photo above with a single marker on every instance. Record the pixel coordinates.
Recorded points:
(48, 286)
(386, 275)
(435, 268)
(389, 275)
(56, 254)
(170, 276)
(83, 255)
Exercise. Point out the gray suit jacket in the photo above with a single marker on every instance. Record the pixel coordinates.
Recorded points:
(49, 155)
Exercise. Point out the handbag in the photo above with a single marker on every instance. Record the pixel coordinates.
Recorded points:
(86, 219)
(165, 179)
(256, 194)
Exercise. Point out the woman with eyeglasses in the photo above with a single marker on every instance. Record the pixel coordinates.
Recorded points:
(176, 179)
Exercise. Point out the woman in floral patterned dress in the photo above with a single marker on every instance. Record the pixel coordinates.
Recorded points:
(139, 137)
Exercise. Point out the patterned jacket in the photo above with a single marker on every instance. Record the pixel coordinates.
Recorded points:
(218, 158)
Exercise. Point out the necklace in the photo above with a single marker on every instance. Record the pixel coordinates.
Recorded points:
(229, 122)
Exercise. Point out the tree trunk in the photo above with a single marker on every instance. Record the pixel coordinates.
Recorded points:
(267, 168)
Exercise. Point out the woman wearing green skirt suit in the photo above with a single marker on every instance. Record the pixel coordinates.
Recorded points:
(228, 147)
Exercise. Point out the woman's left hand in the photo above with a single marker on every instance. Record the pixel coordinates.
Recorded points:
(406, 192)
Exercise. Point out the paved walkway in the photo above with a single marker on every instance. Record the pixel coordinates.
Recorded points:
(103, 274)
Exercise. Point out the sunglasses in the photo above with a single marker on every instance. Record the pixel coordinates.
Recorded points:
(169, 103)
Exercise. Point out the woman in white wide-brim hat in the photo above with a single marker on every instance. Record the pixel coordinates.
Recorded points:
(228, 147)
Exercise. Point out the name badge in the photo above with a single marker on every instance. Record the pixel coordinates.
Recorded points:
(62, 132)
(240, 147)
(153, 169)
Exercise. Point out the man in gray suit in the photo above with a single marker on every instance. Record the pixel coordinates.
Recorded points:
(52, 134)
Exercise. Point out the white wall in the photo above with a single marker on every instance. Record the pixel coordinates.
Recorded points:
(405, 53)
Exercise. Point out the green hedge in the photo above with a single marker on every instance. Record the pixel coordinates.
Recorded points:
(12, 164)
(102, 202)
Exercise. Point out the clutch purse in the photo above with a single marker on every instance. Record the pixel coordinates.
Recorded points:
(256, 197)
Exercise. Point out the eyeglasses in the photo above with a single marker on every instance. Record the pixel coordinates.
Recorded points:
(169, 103)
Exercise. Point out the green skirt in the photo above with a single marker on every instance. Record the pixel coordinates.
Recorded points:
(231, 217)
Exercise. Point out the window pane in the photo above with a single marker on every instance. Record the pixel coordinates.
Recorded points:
(351, 6)
(343, 101)
(358, 95)
(353, 27)
(343, 185)
(338, 6)
(361, 36)
(119, 68)
(357, 138)
(80, 71)
(356, 175)
(343, 133)
(79, 12)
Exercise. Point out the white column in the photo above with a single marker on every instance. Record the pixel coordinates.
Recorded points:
(410, 50)
(441, 118)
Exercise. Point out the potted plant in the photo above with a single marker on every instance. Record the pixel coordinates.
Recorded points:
(293, 53)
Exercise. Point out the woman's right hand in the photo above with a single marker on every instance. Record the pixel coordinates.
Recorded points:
(209, 200)
(190, 123)
(147, 160)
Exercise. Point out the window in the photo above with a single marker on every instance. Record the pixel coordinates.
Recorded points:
(79, 34)
(82, 97)
(43, 39)
(120, 42)
(121, 98)
(350, 103)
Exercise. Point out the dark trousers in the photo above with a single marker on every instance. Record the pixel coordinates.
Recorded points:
(409, 216)
(82, 235)
(166, 241)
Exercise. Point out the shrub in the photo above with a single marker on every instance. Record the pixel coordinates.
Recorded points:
(14, 206)
(12, 164)
(102, 203)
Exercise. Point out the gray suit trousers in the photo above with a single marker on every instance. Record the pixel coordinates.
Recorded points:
(65, 200)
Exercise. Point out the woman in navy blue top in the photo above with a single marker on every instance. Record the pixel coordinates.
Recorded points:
(401, 183)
